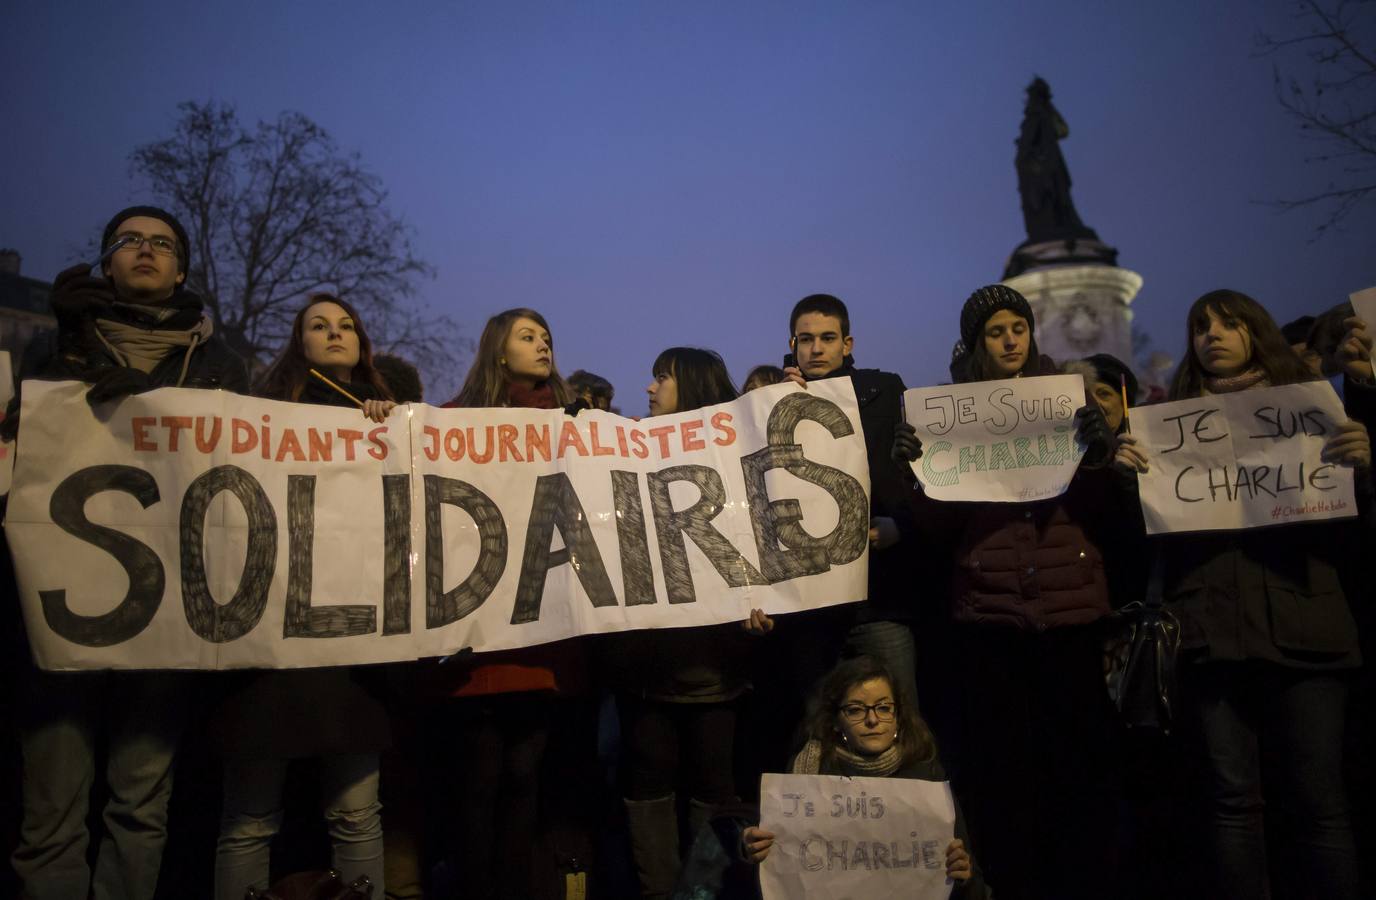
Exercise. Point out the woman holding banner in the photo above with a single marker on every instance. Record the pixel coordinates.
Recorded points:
(858, 726)
(676, 687)
(1028, 593)
(497, 710)
(1268, 636)
(321, 713)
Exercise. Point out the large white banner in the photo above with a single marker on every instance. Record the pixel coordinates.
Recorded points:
(198, 529)
(1243, 460)
(837, 838)
(1009, 441)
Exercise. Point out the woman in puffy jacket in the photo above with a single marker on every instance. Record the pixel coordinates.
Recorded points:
(1268, 637)
(1028, 592)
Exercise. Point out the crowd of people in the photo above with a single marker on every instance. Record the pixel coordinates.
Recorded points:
(607, 765)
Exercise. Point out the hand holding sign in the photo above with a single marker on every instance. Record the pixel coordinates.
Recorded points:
(1258, 457)
(1356, 345)
(832, 836)
(1006, 441)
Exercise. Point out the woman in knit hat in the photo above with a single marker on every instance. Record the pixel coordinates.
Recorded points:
(1108, 380)
(1028, 591)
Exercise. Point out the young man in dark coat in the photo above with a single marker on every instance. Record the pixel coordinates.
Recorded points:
(133, 330)
(809, 643)
(821, 341)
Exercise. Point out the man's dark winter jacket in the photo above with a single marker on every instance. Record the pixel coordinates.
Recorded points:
(57, 356)
(880, 396)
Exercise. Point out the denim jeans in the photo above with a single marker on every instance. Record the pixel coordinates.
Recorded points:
(64, 716)
(1294, 718)
(252, 815)
(892, 644)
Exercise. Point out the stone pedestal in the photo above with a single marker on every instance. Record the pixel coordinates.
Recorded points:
(1081, 309)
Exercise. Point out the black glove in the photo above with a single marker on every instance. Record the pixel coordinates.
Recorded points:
(78, 295)
(117, 382)
(907, 446)
(1092, 429)
(77, 299)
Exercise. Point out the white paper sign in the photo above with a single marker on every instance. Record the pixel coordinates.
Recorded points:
(6, 447)
(1364, 305)
(1242, 460)
(1009, 441)
(837, 838)
(200, 529)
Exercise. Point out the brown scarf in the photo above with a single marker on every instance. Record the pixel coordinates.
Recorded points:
(809, 761)
(1231, 384)
(143, 348)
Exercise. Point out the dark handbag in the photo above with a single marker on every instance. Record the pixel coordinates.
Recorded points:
(315, 886)
(1141, 677)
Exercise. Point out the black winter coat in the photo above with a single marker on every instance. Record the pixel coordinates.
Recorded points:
(298, 713)
(60, 355)
(880, 397)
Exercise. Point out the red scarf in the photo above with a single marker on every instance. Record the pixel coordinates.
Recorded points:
(541, 396)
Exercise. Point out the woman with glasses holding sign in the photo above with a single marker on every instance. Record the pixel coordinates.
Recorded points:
(318, 713)
(1028, 593)
(1268, 637)
(858, 726)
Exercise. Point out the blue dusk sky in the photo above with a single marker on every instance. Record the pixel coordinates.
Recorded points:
(657, 173)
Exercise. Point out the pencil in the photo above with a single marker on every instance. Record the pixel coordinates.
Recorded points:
(1123, 385)
(337, 388)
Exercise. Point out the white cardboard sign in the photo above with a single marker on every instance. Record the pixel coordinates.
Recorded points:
(205, 530)
(1364, 305)
(837, 838)
(1242, 460)
(1009, 441)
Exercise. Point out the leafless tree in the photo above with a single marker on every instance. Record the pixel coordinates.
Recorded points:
(1335, 102)
(277, 212)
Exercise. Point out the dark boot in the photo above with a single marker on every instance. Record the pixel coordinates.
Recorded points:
(654, 844)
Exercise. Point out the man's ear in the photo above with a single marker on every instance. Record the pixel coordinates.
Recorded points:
(848, 344)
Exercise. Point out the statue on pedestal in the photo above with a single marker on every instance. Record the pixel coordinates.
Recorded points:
(1043, 179)
(1055, 233)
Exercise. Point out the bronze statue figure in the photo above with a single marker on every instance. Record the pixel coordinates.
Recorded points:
(1043, 179)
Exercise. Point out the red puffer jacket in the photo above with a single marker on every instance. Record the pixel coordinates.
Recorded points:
(1030, 566)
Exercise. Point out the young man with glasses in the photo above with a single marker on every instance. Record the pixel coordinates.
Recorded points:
(135, 329)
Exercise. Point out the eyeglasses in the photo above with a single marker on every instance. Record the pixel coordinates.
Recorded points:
(163, 246)
(858, 712)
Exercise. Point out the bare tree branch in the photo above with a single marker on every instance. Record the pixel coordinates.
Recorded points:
(1336, 105)
(278, 212)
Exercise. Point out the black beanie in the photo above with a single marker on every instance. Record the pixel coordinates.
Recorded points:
(1113, 372)
(162, 215)
(986, 301)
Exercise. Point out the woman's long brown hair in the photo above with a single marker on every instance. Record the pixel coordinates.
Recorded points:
(915, 741)
(487, 381)
(286, 378)
(1270, 351)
